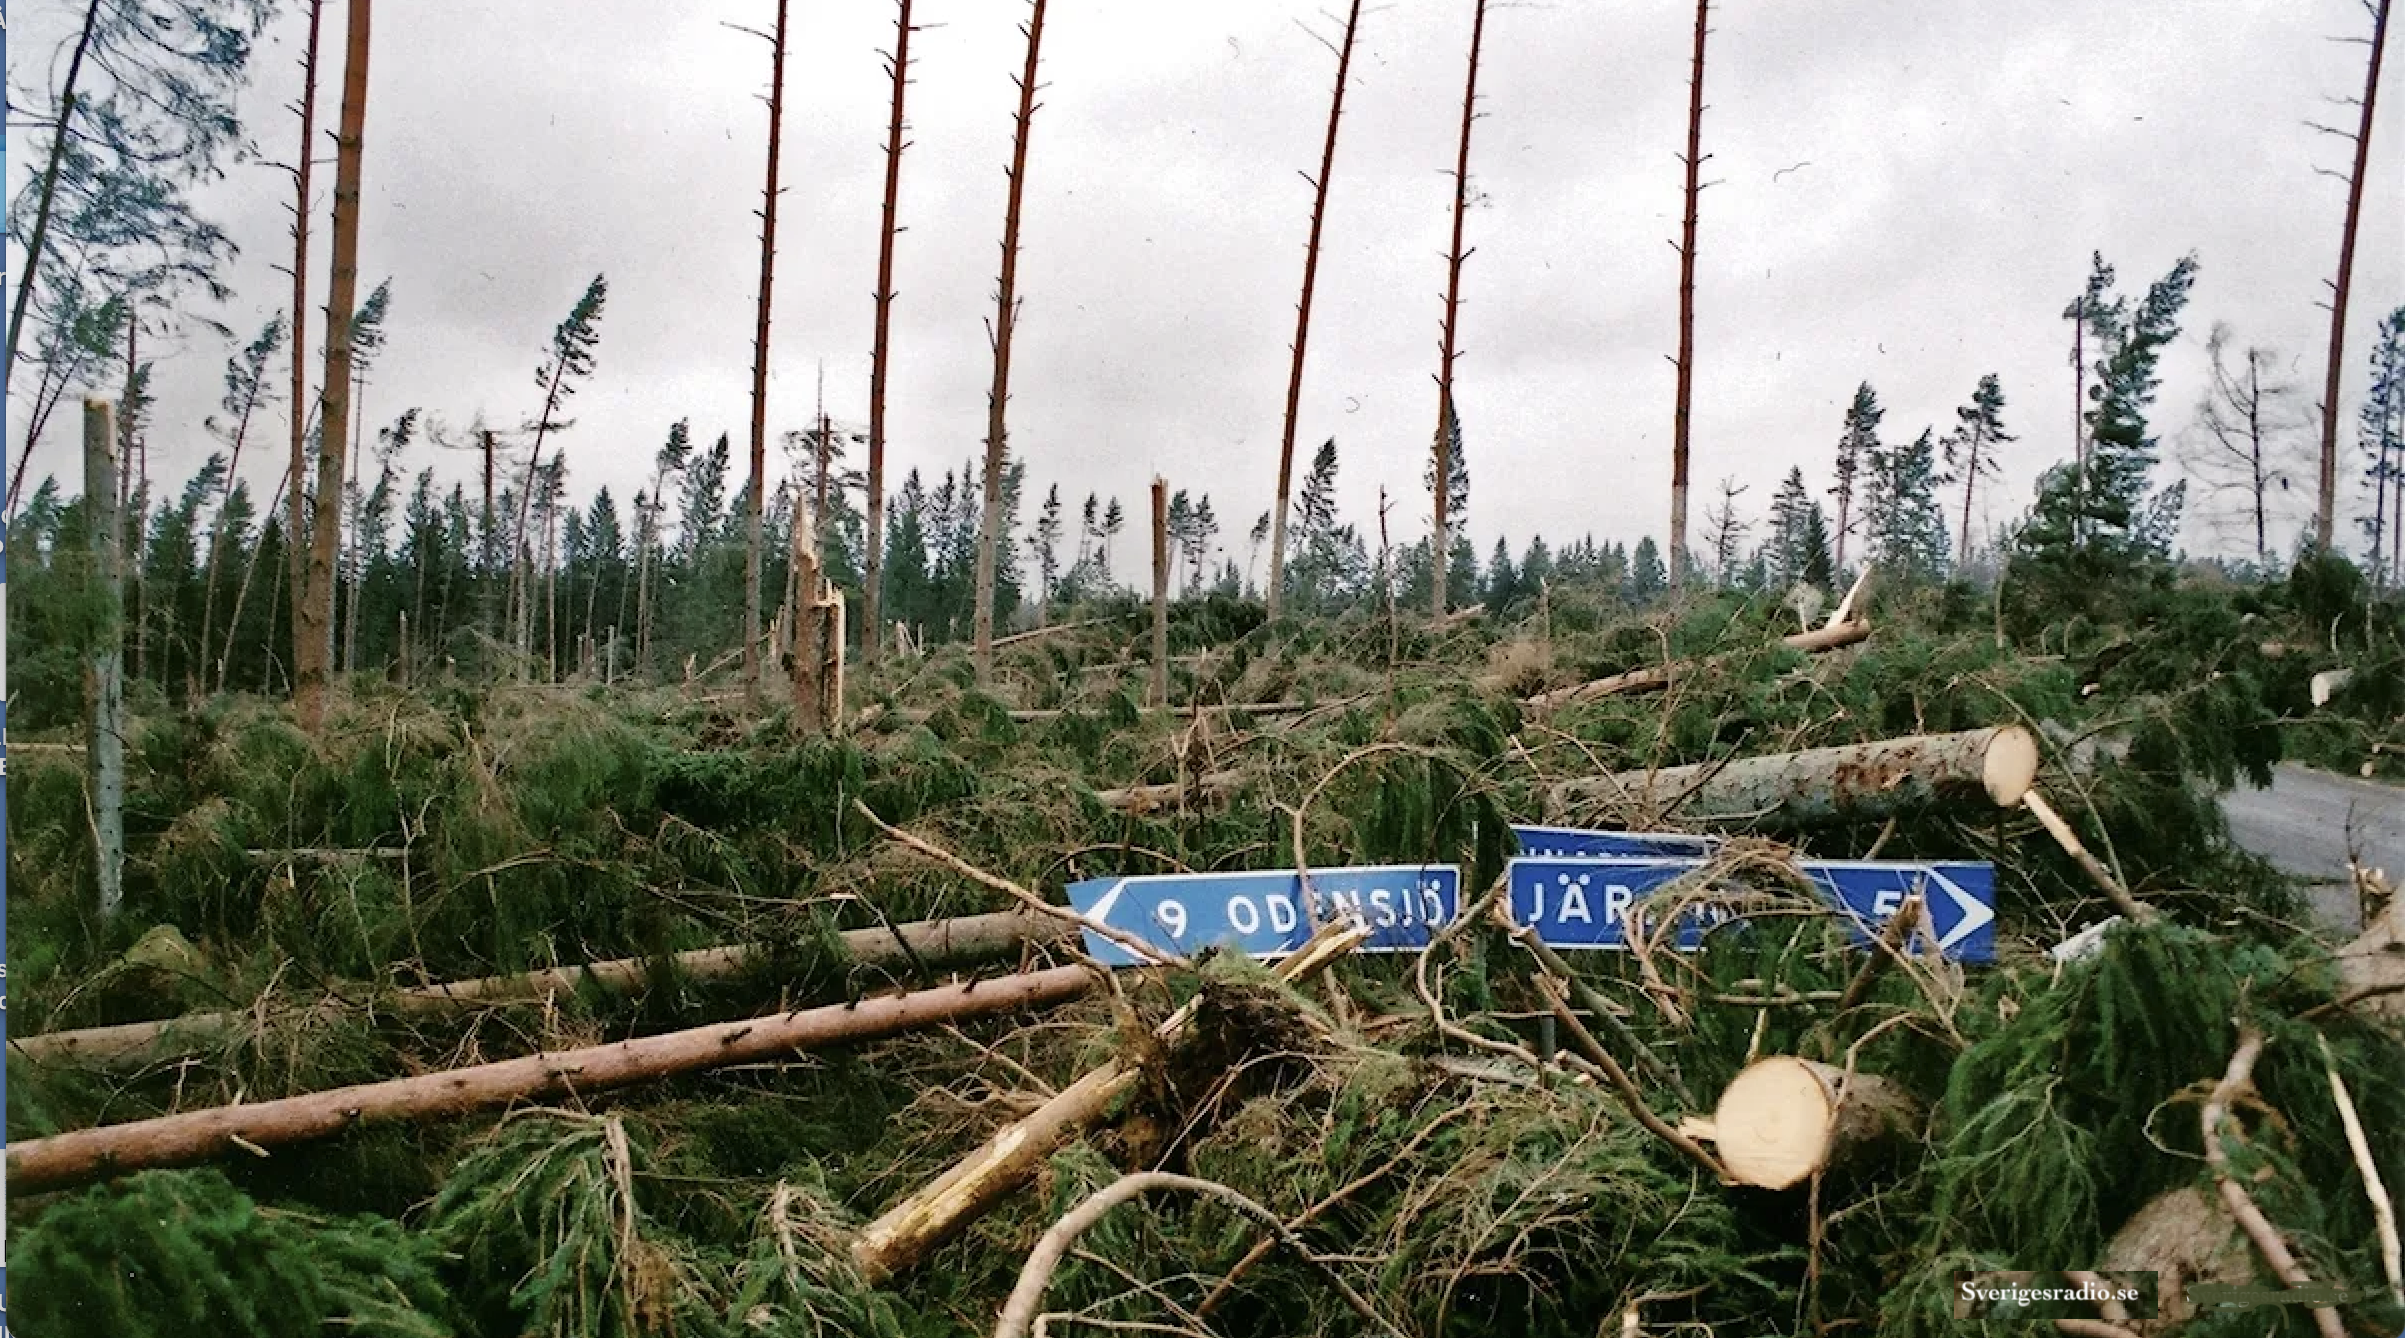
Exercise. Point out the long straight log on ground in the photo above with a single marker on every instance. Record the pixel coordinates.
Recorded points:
(909, 1230)
(1147, 798)
(67, 1160)
(1847, 783)
(1653, 678)
(930, 943)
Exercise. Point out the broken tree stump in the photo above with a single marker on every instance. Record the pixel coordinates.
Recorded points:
(65, 1161)
(930, 943)
(1823, 785)
(905, 1233)
(1785, 1119)
(1655, 677)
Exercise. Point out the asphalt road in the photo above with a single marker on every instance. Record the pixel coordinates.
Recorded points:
(2304, 822)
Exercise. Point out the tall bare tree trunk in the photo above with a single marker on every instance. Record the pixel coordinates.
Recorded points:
(296, 490)
(40, 237)
(313, 645)
(997, 437)
(1158, 695)
(1302, 314)
(2325, 516)
(756, 498)
(873, 580)
(1682, 417)
(242, 594)
(104, 673)
(1440, 544)
(233, 470)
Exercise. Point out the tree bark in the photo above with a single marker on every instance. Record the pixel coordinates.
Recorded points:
(313, 629)
(1846, 783)
(1006, 319)
(931, 944)
(1682, 414)
(68, 1160)
(2325, 516)
(1784, 1119)
(1440, 548)
(910, 1229)
(1655, 677)
(39, 238)
(104, 672)
(756, 499)
(880, 353)
(1302, 318)
(296, 482)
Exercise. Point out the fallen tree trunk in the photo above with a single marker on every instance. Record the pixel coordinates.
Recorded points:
(931, 943)
(68, 1160)
(1654, 678)
(909, 1230)
(1040, 714)
(1147, 798)
(1784, 1120)
(1850, 782)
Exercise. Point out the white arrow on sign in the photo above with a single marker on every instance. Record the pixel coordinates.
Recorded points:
(1974, 912)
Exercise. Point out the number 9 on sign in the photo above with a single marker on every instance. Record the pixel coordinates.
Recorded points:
(1171, 916)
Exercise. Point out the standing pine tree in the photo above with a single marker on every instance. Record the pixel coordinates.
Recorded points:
(1971, 449)
(1047, 544)
(1786, 544)
(2380, 431)
(568, 361)
(1855, 447)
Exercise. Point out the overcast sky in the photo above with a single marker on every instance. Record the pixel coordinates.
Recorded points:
(1906, 192)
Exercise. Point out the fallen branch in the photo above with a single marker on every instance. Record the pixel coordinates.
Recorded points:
(1822, 785)
(68, 1160)
(1653, 678)
(1016, 637)
(1019, 1312)
(2384, 1208)
(1147, 798)
(1622, 1084)
(1597, 1006)
(929, 943)
(909, 1230)
(2258, 1228)
(2129, 906)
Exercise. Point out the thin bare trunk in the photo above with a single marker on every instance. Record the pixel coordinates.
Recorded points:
(521, 577)
(1682, 416)
(233, 472)
(2325, 516)
(296, 491)
(1302, 313)
(1970, 481)
(1159, 693)
(313, 630)
(1440, 547)
(873, 581)
(104, 673)
(39, 239)
(242, 594)
(997, 438)
(755, 498)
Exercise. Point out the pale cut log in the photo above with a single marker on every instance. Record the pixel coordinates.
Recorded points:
(1654, 677)
(1824, 785)
(905, 1233)
(933, 943)
(68, 1160)
(1147, 798)
(2372, 968)
(1785, 1119)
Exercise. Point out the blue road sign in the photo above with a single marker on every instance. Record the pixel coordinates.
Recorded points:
(1577, 843)
(1261, 913)
(1584, 903)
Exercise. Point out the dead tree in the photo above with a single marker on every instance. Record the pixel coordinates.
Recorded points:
(2325, 514)
(2237, 446)
(1006, 319)
(1682, 415)
(296, 490)
(1302, 313)
(755, 497)
(881, 349)
(313, 628)
(1440, 545)
(1158, 695)
(104, 673)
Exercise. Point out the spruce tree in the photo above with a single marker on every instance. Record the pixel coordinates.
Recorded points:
(2380, 433)
(1907, 528)
(1855, 447)
(1646, 576)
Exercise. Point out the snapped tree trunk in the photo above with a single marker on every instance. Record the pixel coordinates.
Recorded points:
(104, 672)
(1655, 677)
(2325, 515)
(296, 482)
(872, 591)
(1157, 693)
(1682, 415)
(67, 1160)
(905, 1233)
(313, 629)
(1783, 1120)
(1302, 314)
(1783, 791)
(930, 944)
(1006, 319)
(1440, 541)
(755, 499)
